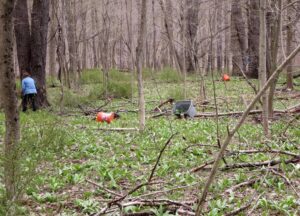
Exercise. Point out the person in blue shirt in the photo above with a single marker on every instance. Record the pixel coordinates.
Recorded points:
(28, 90)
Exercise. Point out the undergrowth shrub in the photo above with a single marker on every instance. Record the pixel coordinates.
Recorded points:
(91, 76)
(168, 74)
(176, 93)
(72, 99)
(119, 86)
(42, 142)
(148, 74)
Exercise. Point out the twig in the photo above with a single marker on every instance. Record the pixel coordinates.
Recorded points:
(159, 156)
(237, 211)
(114, 202)
(144, 213)
(159, 202)
(196, 169)
(103, 188)
(286, 180)
(165, 191)
(243, 184)
(246, 78)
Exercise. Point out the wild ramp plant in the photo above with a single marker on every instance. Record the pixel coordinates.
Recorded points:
(42, 142)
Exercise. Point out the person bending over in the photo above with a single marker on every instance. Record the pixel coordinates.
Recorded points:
(28, 90)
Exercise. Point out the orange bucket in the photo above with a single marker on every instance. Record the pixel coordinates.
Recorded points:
(226, 77)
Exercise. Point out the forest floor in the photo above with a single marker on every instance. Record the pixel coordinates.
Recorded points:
(71, 165)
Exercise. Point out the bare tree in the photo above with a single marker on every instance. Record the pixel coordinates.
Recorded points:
(39, 35)
(253, 37)
(10, 102)
(289, 45)
(52, 41)
(71, 35)
(22, 33)
(139, 50)
(262, 62)
(238, 37)
(273, 28)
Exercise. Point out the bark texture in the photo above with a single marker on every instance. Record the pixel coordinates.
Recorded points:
(238, 37)
(253, 37)
(39, 33)
(262, 62)
(22, 33)
(9, 96)
(139, 62)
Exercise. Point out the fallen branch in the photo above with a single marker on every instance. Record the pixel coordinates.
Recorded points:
(144, 213)
(196, 169)
(170, 100)
(243, 184)
(103, 188)
(295, 108)
(236, 113)
(287, 181)
(166, 113)
(260, 164)
(252, 151)
(165, 191)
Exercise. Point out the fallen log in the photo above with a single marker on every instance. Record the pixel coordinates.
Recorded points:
(260, 164)
(235, 113)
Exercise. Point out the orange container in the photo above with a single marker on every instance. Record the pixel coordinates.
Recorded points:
(105, 117)
(226, 77)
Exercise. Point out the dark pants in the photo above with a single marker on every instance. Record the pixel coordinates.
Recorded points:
(28, 98)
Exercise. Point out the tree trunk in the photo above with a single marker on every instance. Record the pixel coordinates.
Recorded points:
(84, 32)
(275, 28)
(191, 31)
(10, 102)
(184, 48)
(169, 28)
(52, 45)
(253, 37)
(130, 41)
(154, 61)
(22, 34)
(289, 47)
(238, 36)
(71, 35)
(94, 29)
(39, 32)
(139, 62)
(219, 51)
(262, 63)
(106, 32)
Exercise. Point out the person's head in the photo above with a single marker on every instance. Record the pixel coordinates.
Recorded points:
(25, 72)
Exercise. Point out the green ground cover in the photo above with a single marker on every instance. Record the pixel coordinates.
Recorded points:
(61, 154)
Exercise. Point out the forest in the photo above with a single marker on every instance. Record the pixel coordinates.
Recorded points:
(149, 107)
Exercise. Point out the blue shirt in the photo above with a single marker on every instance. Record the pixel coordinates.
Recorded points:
(28, 86)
